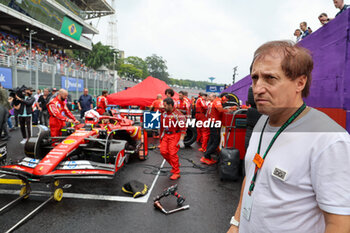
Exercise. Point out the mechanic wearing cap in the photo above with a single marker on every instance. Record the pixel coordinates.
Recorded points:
(102, 103)
(173, 130)
(59, 113)
(214, 113)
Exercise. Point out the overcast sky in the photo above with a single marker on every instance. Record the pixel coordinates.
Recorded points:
(207, 38)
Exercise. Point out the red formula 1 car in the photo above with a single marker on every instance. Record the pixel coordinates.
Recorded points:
(96, 149)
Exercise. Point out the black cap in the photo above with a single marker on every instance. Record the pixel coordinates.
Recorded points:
(54, 89)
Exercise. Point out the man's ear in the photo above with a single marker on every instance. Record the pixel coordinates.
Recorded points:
(300, 83)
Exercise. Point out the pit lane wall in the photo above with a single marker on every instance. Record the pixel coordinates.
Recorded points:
(330, 88)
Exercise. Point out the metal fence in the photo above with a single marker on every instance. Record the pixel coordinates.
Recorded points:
(43, 75)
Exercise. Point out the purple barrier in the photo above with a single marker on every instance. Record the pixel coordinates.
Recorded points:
(240, 88)
(330, 87)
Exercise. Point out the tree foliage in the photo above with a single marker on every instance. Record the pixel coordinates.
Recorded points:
(134, 67)
(157, 67)
(98, 56)
(138, 63)
(130, 71)
(190, 83)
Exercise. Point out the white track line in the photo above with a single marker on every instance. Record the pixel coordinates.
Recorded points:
(143, 199)
(2, 175)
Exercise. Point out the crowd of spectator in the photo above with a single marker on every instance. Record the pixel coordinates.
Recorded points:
(304, 30)
(11, 45)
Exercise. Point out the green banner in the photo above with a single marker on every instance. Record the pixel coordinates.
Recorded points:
(71, 28)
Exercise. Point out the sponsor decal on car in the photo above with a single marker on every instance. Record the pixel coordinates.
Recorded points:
(69, 141)
(57, 153)
(52, 156)
(80, 134)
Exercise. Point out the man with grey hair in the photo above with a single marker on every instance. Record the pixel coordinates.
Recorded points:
(297, 162)
(85, 103)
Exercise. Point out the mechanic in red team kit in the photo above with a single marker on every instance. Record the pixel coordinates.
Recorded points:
(201, 109)
(157, 105)
(173, 130)
(59, 113)
(102, 103)
(183, 105)
(215, 111)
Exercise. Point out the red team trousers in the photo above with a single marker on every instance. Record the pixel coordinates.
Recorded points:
(169, 149)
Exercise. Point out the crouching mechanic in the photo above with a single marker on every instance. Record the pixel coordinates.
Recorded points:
(59, 113)
(173, 132)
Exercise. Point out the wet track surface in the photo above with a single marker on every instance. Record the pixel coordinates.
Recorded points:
(212, 202)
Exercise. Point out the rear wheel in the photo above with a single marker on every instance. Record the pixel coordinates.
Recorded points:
(35, 147)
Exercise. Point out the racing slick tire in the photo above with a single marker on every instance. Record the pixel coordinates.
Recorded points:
(191, 136)
(34, 147)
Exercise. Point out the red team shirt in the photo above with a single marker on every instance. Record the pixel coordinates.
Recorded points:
(157, 105)
(201, 108)
(59, 110)
(215, 110)
(101, 104)
(174, 117)
(184, 106)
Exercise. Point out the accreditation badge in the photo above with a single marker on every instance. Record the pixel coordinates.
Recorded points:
(247, 206)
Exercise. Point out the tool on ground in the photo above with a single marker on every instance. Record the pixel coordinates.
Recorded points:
(170, 191)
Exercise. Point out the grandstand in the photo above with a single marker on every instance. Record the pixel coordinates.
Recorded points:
(59, 24)
(34, 35)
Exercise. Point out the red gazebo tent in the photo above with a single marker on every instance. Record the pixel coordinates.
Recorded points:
(142, 94)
